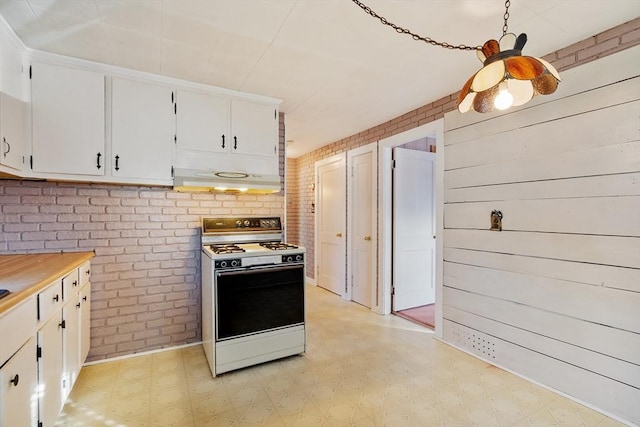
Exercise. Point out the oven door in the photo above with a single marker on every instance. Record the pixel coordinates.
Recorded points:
(258, 299)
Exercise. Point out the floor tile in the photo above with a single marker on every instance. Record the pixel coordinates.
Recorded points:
(360, 370)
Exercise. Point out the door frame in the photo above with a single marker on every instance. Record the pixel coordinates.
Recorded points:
(435, 130)
(369, 148)
(318, 164)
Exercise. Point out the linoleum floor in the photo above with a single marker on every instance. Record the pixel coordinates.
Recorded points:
(360, 369)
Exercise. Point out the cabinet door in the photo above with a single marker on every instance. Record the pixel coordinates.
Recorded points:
(11, 77)
(12, 133)
(142, 130)
(203, 122)
(67, 107)
(50, 370)
(255, 128)
(18, 386)
(71, 313)
(85, 321)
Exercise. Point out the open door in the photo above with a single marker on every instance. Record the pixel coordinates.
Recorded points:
(413, 229)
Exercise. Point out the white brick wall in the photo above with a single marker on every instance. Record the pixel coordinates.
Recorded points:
(146, 272)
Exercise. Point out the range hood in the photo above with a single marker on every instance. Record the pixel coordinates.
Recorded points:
(188, 180)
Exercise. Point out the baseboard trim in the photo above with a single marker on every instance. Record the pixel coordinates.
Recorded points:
(143, 353)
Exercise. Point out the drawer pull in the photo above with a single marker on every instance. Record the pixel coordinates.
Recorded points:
(62, 324)
(78, 305)
(56, 298)
(75, 283)
(15, 380)
(84, 298)
(88, 272)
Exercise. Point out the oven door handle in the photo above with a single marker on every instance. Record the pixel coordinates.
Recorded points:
(253, 269)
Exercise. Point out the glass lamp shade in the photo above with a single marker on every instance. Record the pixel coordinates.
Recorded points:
(506, 72)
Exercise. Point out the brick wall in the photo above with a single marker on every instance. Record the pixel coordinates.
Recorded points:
(614, 40)
(146, 273)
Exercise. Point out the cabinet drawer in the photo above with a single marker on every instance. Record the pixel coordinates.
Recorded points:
(49, 300)
(18, 383)
(16, 326)
(70, 285)
(85, 273)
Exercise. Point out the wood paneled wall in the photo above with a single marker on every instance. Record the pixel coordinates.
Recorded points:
(554, 296)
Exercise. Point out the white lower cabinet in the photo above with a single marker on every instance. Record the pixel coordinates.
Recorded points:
(50, 363)
(45, 341)
(84, 299)
(70, 344)
(18, 388)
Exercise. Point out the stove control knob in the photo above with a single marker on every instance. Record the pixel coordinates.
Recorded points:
(299, 257)
(238, 223)
(223, 264)
(234, 263)
(246, 223)
(289, 258)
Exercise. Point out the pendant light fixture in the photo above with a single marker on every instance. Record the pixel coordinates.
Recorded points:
(506, 79)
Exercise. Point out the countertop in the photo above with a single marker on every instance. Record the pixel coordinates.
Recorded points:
(25, 275)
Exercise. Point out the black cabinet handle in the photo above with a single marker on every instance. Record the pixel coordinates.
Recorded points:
(98, 165)
(56, 298)
(8, 146)
(88, 272)
(62, 324)
(235, 142)
(84, 298)
(222, 141)
(15, 380)
(75, 283)
(117, 161)
(78, 305)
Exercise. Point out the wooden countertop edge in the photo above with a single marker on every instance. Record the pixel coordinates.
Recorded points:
(50, 268)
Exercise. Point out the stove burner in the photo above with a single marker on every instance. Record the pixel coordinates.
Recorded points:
(277, 246)
(226, 249)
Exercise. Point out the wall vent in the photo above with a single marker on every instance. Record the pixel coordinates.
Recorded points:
(475, 342)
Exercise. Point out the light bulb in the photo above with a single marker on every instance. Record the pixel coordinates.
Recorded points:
(504, 99)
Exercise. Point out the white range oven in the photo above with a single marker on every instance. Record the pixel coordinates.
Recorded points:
(253, 300)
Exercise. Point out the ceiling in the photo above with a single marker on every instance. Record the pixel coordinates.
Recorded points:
(337, 70)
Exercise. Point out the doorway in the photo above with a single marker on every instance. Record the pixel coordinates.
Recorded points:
(435, 132)
(413, 231)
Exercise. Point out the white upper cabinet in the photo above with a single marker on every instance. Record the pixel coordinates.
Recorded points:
(12, 132)
(203, 122)
(11, 75)
(142, 131)
(67, 107)
(225, 133)
(255, 128)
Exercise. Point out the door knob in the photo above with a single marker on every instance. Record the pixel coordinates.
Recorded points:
(367, 237)
(338, 234)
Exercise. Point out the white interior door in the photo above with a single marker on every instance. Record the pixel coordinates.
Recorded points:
(413, 229)
(330, 223)
(362, 213)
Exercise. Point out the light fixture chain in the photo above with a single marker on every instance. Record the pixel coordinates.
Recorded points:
(505, 27)
(428, 40)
